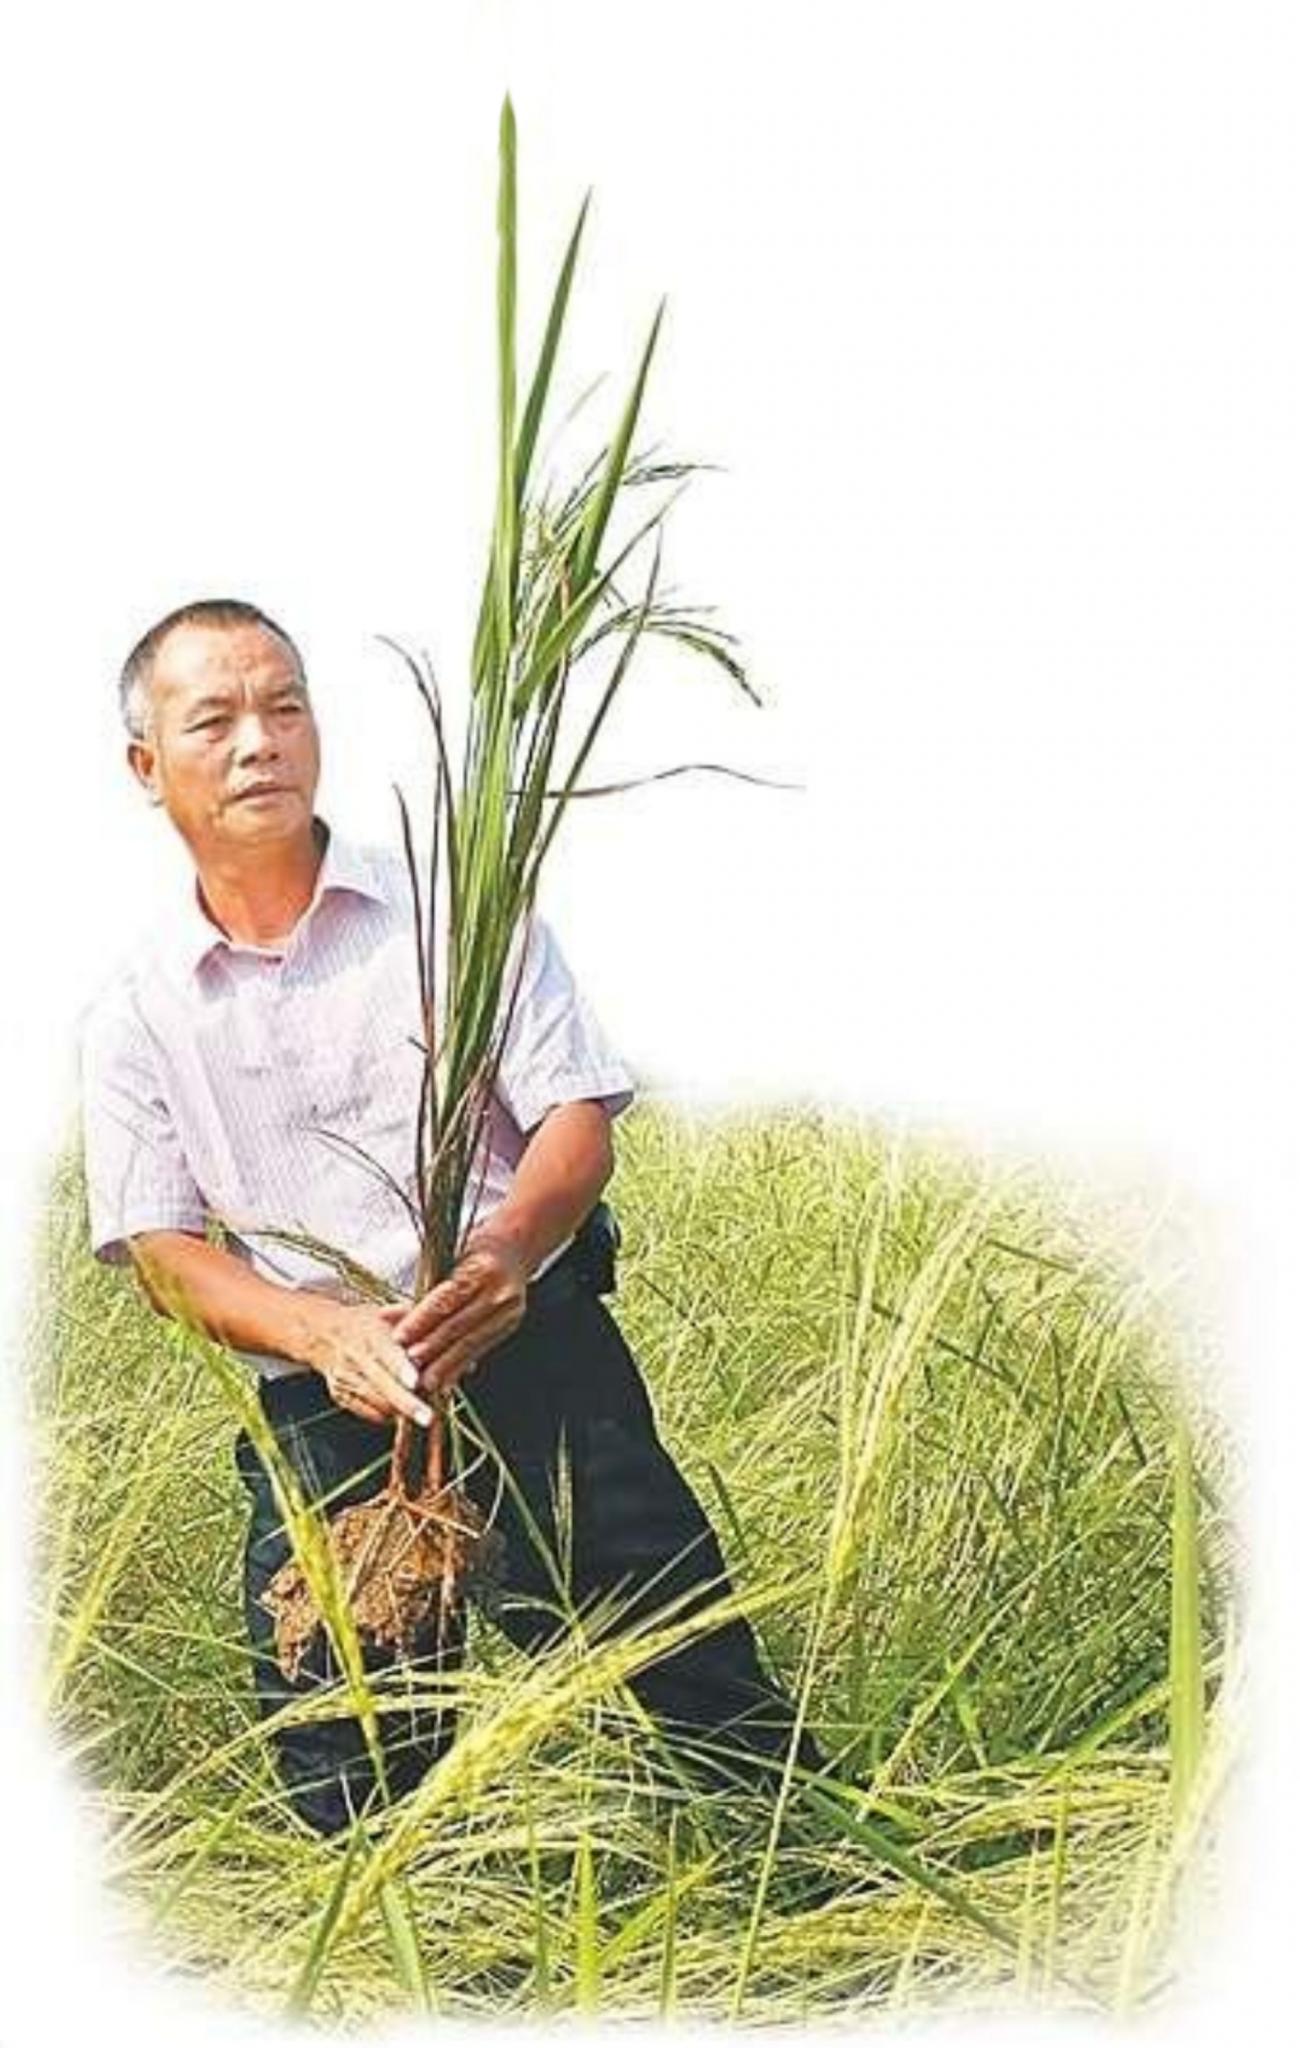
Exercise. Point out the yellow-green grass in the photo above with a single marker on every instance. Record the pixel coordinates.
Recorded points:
(978, 1527)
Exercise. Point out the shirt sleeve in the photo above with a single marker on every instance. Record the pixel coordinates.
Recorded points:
(555, 1050)
(136, 1175)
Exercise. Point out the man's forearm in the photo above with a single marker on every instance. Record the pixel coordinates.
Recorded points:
(565, 1165)
(350, 1345)
(187, 1277)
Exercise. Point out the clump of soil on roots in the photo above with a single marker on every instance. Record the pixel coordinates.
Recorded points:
(406, 1559)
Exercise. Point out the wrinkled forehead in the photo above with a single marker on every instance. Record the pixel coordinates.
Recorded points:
(223, 662)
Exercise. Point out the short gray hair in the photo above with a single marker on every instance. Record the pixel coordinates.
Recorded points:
(137, 671)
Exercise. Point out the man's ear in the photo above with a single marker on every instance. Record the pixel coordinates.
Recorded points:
(144, 766)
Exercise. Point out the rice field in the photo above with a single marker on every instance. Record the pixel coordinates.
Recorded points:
(983, 1531)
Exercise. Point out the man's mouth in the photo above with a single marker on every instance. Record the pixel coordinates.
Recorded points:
(260, 789)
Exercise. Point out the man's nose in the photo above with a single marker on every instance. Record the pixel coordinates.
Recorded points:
(254, 738)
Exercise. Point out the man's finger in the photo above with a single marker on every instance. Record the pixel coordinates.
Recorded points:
(358, 1405)
(442, 1377)
(456, 1292)
(447, 1366)
(386, 1355)
(345, 1393)
(396, 1399)
(480, 1327)
(432, 1309)
(449, 1334)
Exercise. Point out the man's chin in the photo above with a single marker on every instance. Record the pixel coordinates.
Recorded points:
(281, 814)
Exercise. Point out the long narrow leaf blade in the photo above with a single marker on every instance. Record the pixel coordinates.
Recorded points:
(1186, 1654)
(492, 633)
(598, 511)
(506, 536)
(540, 386)
(309, 1976)
(587, 1930)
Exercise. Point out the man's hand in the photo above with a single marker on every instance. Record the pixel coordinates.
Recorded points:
(566, 1161)
(354, 1350)
(478, 1305)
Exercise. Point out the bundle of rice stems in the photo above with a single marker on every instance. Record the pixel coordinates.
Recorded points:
(551, 598)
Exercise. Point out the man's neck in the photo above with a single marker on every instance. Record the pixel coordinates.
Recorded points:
(261, 897)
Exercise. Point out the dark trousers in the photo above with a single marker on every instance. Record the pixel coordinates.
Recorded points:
(563, 1392)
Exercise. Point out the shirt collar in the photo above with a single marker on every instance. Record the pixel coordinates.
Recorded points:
(344, 866)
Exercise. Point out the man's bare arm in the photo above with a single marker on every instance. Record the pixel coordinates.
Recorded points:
(565, 1164)
(352, 1347)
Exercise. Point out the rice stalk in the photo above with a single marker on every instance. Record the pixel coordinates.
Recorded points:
(548, 579)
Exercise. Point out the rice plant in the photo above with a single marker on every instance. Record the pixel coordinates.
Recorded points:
(983, 1536)
(552, 598)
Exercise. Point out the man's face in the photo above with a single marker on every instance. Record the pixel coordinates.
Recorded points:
(232, 749)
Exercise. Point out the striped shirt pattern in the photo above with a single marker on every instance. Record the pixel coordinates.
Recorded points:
(278, 1088)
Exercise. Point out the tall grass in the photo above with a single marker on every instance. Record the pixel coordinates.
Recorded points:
(552, 597)
(982, 1540)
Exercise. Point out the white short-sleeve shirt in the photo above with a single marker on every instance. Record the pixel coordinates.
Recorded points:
(243, 1085)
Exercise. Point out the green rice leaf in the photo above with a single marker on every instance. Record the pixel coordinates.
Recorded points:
(598, 511)
(586, 1929)
(309, 1976)
(404, 1940)
(535, 408)
(1186, 1653)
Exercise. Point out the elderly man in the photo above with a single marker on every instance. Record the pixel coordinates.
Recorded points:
(234, 1073)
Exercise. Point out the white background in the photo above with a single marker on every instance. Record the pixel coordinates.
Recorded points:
(987, 311)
